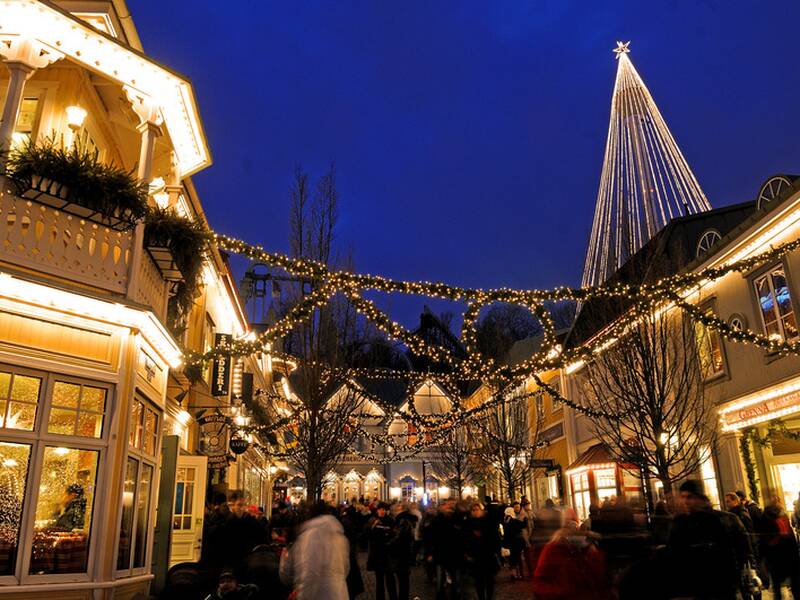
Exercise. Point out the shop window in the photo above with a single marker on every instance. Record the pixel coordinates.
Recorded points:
(144, 428)
(77, 409)
(581, 494)
(135, 521)
(19, 399)
(64, 511)
(605, 481)
(60, 498)
(775, 303)
(709, 476)
(14, 461)
(709, 350)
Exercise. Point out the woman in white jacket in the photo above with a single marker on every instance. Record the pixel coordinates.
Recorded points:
(316, 565)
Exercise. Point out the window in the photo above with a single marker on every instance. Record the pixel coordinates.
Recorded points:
(581, 496)
(411, 429)
(605, 481)
(55, 429)
(709, 476)
(775, 303)
(24, 131)
(709, 350)
(184, 497)
(77, 409)
(19, 399)
(135, 521)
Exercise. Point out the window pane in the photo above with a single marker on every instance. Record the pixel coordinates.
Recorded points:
(61, 421)
(142, 516)
(136, 425)
(90, 425)
(605, 478)
(26, 388)
(93, 399)
(21, 415)
(14, 460)
(126, 525)
(5, 384)
(782, 297)
(66, 394)
(150, 431)
(64, 511)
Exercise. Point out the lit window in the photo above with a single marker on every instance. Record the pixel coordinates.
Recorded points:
(775, 302)
(26, 121)
(581, 495)
(605, 481)
(135, 515)
(64, 511)
(184, 497)
(14, 460)
(709, 349)
(19, 398)
(77, 409)
(709, 476)
(144, 428)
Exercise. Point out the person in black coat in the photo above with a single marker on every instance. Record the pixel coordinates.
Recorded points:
(401, 549)
(380, 531)
(349, 519)
(482, 550)
(707, 548)
(446, 550)
(241, 532)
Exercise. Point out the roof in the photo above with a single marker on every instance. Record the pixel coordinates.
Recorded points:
(672, 250)
(524, 349)
(596, 455)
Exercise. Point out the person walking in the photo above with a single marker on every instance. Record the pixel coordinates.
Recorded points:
(707, 549)
(513, 538)
(779, 548)
(570, 567)
(317, 564)
(380, 531)
(482, 550)
(401, 548)
(446, 551)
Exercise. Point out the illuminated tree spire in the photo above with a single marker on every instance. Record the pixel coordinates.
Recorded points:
(645, 181)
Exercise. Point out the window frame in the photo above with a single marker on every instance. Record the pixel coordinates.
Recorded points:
(766, 270)
(143, 458)
(39, 439)
(723, 373)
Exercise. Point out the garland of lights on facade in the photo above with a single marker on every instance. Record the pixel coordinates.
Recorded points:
(642, 299)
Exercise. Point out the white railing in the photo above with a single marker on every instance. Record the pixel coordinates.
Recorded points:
(151, 289)
(46, 239)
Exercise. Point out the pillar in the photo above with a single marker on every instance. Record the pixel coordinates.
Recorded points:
(19, 73)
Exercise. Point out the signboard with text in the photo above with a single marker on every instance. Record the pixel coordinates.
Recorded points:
(221, 368)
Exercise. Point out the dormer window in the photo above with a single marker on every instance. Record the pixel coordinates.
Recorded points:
(707, 241)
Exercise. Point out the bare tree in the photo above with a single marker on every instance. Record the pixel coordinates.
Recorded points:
(506, 439)
(453, 461)
(650, 386)
(323, 404)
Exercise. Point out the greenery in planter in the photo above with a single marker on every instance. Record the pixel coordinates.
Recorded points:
(101, 188)
(186, 241)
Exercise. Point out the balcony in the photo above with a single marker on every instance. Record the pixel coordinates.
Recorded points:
(40, 238)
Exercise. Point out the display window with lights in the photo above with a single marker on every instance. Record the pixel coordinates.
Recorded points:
(136, 519)
(53, 436)
(710, 352)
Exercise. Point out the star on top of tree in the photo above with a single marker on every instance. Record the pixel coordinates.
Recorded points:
(622, 48)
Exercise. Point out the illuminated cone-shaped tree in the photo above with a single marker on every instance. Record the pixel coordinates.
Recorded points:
(645, 181)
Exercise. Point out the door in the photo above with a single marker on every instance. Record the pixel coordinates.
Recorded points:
(189, 508)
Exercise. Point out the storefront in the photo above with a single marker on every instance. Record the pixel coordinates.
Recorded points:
(595, 477)
(767, 425)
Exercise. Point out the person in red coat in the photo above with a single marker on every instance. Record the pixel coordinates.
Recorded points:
(571, 567)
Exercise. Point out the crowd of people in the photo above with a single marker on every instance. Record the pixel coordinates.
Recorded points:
(682, 549)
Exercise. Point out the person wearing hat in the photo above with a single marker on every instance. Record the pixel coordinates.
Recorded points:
(707, 549)
(74, 514)
(229, 588)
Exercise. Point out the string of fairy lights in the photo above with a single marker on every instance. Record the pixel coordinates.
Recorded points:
(636, 301)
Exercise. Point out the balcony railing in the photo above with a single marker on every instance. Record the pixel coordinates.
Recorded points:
(41, 238)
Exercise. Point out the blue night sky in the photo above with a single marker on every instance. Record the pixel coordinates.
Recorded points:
(469, 136)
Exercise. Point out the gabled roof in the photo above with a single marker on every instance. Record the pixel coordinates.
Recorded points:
(672, 250)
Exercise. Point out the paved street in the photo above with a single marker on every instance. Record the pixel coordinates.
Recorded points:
(506, 589)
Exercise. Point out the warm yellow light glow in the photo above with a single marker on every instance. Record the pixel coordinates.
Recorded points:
(286, 391)
(61, 451)
(10, 463)
(444, 491)
(585, 468)
(419, 491)
(395, 492)
(75, 117)
(161, 199)
(63, 35)
(183, 417)
(50, 298)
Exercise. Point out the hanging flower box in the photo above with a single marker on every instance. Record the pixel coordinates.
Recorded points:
(165, 261)
(76, 182)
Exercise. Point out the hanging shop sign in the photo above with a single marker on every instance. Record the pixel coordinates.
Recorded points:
(214, 438)
(221, 368)
(239, 445)
(543, 463)
(552, 433)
